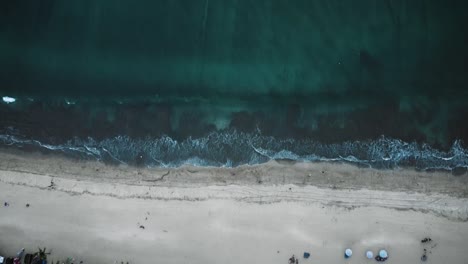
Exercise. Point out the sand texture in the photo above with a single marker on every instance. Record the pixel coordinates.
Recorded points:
(255, 214)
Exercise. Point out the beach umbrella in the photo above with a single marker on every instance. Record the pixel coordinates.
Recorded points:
(369, 254)
(20, 253)
(383, 253)
(348, 252)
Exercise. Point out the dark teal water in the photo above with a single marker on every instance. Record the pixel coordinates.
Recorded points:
(226, 83)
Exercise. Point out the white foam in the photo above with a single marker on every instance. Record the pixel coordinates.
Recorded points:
(230, 149)
(8, 99)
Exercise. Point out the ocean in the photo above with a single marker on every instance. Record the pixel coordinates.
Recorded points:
(167, 83)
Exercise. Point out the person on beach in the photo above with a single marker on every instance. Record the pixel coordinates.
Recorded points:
(424, 256)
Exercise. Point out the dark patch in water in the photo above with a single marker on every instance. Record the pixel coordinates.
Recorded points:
(286, 161)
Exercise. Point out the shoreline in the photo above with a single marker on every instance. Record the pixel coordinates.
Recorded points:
(319, 174)
(223, 215)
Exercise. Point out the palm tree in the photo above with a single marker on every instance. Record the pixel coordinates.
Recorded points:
(40, 256)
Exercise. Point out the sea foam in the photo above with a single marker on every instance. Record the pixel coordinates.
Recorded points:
(233, 148)
(8, 99)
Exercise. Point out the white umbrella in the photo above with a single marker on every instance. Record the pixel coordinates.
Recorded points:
(348, 252)
(20, 253)
(369, 254)
(383, 253)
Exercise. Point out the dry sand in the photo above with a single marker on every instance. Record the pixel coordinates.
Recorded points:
(252, 214)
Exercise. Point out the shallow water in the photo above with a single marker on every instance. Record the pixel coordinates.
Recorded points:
(166, 83)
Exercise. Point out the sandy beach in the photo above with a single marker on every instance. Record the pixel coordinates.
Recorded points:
(243, 131)
(256, 214)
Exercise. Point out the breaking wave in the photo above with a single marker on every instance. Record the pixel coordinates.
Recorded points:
(233, 148)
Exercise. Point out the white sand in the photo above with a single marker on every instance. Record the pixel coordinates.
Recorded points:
(98, 222)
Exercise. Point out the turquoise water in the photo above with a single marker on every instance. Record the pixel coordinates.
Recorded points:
(251, 80)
